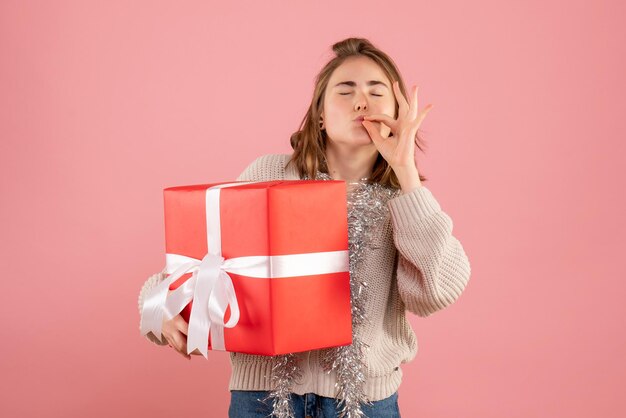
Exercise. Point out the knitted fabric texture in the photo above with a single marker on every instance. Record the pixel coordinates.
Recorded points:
(414, 264)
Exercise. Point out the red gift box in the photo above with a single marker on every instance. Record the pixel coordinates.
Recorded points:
(277, 315)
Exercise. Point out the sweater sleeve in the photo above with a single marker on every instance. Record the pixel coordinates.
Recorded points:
(152, 282)
(432, 269)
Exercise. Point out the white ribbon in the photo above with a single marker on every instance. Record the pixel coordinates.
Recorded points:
(211, 288)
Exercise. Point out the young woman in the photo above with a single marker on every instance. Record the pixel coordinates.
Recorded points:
(361, 127)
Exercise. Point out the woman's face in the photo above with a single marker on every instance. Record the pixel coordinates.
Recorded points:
(356, 88)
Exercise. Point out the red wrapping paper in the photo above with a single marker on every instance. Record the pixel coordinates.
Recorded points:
(277, 315)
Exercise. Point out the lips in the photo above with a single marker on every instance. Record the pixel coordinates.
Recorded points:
(359, 119)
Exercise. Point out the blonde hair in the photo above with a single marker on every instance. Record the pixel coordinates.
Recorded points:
(309, 143)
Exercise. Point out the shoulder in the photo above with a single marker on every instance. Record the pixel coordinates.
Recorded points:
(265, 168)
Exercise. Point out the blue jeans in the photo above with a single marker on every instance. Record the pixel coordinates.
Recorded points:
(248, 404)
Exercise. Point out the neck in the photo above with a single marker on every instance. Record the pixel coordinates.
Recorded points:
(350, 164)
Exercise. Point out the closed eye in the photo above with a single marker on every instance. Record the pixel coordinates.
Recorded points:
(378, 95)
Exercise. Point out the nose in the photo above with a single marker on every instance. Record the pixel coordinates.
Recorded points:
(361, 104)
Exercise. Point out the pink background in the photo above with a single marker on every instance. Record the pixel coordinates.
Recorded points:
(103, 105)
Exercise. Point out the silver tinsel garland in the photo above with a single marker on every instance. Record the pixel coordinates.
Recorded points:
(367, 207)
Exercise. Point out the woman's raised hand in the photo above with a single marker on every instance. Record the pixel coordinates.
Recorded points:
(175, 332)
(399, 149)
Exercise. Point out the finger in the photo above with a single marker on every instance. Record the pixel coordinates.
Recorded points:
(182, 325)
(402, 103)
(179, 344)
(420, 117)
(413, 107)
(387, 120)
(373, 132)
(181, 347)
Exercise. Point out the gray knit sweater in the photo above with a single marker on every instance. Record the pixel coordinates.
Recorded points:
(415, 264)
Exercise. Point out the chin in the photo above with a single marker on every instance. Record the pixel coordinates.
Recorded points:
(363, 139)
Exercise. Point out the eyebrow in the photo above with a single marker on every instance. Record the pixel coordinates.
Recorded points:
(369, 83)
